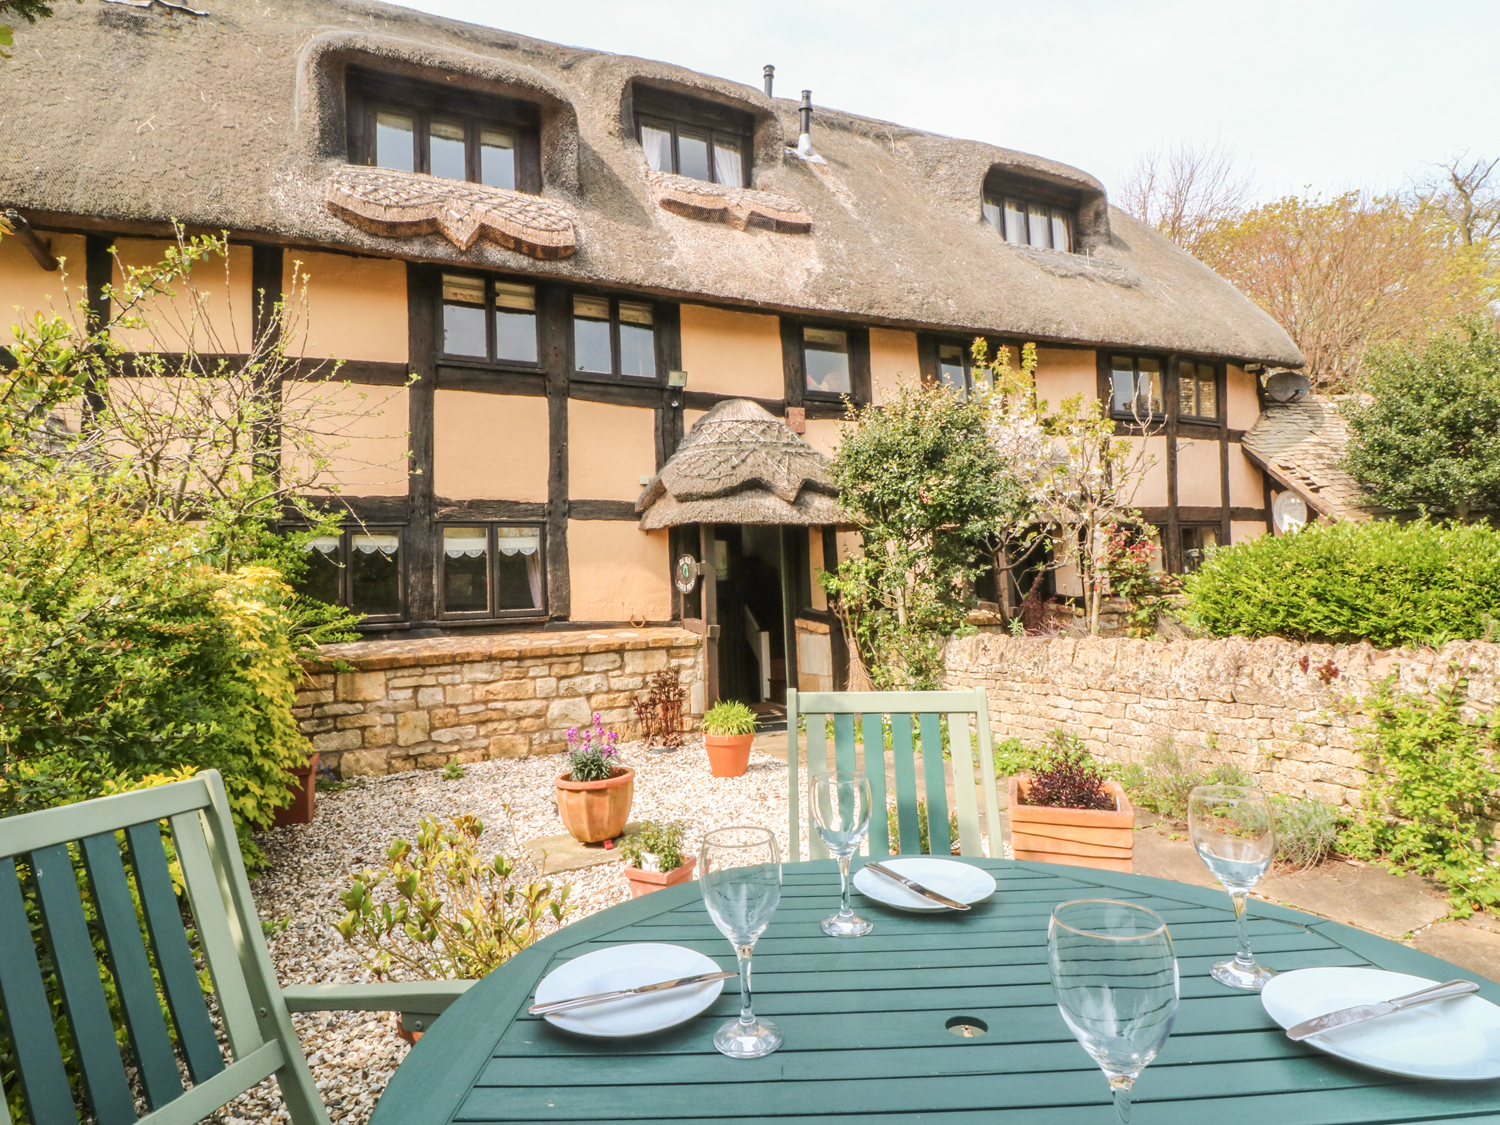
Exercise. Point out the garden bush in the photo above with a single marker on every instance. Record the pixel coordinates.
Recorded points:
(1386, 583)
(1162, 782)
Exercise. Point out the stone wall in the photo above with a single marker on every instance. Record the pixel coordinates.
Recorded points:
(417, 704)
(1277, 708)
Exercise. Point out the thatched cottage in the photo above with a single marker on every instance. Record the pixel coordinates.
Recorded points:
(592, 263)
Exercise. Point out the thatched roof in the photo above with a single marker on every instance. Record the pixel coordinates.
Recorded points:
(741, 464)
(235, 120)
(1300, 445)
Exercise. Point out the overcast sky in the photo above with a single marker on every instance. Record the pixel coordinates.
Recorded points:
(1330, 94)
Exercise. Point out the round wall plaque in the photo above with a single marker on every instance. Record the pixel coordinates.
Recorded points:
(687, 573)
(1289, 513)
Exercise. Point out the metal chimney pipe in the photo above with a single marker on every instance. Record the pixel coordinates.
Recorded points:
(770, 77)
(804, 142)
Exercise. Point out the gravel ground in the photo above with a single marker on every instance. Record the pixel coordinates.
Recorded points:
(354, 1054)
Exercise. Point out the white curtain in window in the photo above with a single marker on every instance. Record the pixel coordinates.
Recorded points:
(461, 541)
(727, 166)
(657, 144)
(386, 544)
(519, 540)
(534, 576)
(326, 544)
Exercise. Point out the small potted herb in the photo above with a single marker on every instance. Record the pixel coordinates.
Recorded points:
(728, 731)
(654, 858)
(1067, 811)
(595, 791)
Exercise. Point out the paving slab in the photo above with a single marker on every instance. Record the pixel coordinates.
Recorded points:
(563, 853)
(1362, 895)
(1466, 945)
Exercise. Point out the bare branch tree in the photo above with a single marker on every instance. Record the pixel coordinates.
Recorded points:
(1187, 190)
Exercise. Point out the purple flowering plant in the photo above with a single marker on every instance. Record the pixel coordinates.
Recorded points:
(591, 751)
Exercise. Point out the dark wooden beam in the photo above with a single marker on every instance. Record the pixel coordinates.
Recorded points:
(603, 510)
(790, 597)
(668, 316)
(491, 381)
(422, 294)
(1221, 377)
(710, 580)
(1174, 519)
(554, 311)
(265, 293)
(99, 268)
(485, 511)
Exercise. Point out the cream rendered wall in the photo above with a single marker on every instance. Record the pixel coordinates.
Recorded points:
(1241, 530)
(1147, 462)
(345, 307)
(815, 563)
(1240, 399)
(609, 448)
(26, 289)
(366, 428)
(617, 571)
(1246, 483)
(219, 323)
(490, 447)
(1064, 372)
(1198, 477)
(732, 353)
(823, 434)
(893, 354)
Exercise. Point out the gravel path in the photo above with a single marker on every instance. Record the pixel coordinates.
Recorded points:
(354, 1054)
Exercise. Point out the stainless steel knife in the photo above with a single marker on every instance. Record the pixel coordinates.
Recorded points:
(912, 884)
(1361, 1012)
(622, 993)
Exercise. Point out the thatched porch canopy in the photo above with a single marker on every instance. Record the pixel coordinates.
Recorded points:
(741, 464)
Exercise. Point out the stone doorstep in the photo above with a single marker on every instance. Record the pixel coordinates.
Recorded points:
(553, 854)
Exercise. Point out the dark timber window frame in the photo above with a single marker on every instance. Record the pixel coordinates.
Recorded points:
(492, 611)
(822, 404)
(1202, 372)
(930, 360)
(1165, 386)
(614, 374)
(490, 358)
(368, 93)
(346, 536)
(720, 125)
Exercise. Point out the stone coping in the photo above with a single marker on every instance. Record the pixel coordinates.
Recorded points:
(370, 656)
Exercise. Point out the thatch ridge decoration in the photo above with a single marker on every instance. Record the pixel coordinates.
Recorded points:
(399, 204)
(742, 464)
(718, 203)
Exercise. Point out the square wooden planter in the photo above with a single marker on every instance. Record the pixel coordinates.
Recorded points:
(1097, 838)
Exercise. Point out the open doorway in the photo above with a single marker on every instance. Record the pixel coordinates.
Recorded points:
(751, 617)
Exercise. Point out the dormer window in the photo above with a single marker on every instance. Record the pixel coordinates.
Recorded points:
(453, 134)
(697, 139)
(1030, 222)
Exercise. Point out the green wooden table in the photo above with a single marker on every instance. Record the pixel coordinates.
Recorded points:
(866, 1023)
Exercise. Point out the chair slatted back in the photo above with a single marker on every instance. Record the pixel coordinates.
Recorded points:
(66, 891)
(883, 714)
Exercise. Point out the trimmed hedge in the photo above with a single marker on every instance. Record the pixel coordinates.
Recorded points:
(1386, 583)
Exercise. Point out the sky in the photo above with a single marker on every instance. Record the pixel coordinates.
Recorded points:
(1326, 95)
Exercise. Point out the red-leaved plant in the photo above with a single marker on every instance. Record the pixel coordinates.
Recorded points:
(1069, 778)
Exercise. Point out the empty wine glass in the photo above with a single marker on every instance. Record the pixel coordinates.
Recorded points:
(1231, 827)
(1115, 976)
(840, 802)
(739, 873)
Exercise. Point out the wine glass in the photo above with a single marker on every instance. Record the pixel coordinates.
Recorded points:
(1115, 976)
(739, 873)
(840, 802)
(1231, 827)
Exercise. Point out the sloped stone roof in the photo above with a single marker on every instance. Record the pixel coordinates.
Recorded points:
(1300, 445)
(235, 121)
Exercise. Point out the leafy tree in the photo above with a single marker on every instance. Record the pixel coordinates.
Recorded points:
(1428, 433)
(921, 481)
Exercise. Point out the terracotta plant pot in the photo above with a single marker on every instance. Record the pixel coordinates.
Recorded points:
(401, 1032)
(728, 754)
(644, 882)
(596, 810)
(303, 790)
(1099, 838)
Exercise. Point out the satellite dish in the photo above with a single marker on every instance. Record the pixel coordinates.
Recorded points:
(1289, 513)
(1287, 386)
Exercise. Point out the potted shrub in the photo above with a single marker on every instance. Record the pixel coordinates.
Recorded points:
(303, 788)
(728, 730)
(654, 859)
(595, 791)
(1067, 811)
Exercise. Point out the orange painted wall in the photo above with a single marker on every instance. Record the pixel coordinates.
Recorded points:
(1064, 372)
(26, 289)
(1199, 480)
(733, 353)
(823, 434)
(1246, 487)
(1241, 530)
(609, 448)
(348, 308)
(218, 322)
(371, 428)
(490, 447)
(1148, 460)
(618, 571)
(893, 355)
(1242, 404)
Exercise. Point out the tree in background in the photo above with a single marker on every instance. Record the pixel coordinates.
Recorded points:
(921, 481)
(1340, 274)
(1426, 431)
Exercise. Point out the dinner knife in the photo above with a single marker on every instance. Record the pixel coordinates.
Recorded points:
(1361, 1012)
(912, 884)
(621, 993)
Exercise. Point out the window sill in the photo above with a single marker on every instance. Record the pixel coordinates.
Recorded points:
(627, 380)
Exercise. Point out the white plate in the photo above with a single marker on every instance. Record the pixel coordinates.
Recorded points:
(1457, 1039)
(626, 966)
(960, 881)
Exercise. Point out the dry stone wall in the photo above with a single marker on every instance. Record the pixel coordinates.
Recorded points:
(377, 707)
(1277, 708)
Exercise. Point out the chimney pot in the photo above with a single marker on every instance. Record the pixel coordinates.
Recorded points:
(804, 142)
(770, 77)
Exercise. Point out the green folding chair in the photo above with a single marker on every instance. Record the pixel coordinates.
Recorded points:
(891, 713)
(113, 847)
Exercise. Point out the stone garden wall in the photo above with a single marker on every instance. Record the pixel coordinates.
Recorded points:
(1277, 708)
(417, 704)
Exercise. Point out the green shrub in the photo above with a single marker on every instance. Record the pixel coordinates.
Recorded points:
(1307, 829)
(1162, 782)
(924, 836)
(1386, 583)
(1068, 777)
(659, 841)
(1012, 756)
(727, 718)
